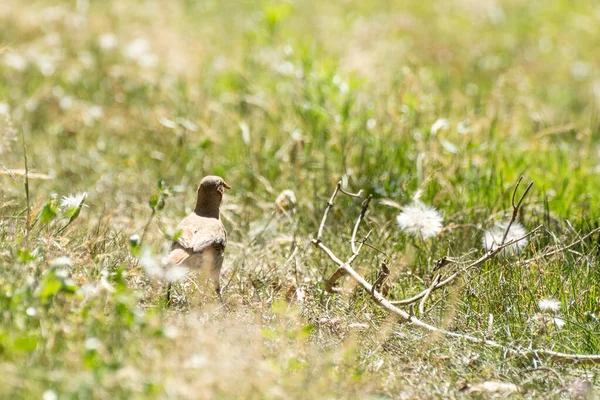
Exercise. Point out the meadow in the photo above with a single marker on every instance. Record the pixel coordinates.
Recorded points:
(111, 112)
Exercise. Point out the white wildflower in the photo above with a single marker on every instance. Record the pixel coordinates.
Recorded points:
(438, 125)
(73, 200)
(92, 114)
(63, 261)
(50, 395)
(549, 305)
(148, 60)
(88, 290)
(107, 41)
(176, 273)
(4, 109)
(464, 127)
(62, 273)
(420, 220)
(105, 284)
(15, 61)
(371, 123)
(86, 58)
(134, 240)
(137, 48)
(150, 264)
(558, 322)
(31, 311)
(340, 83)
(286, 200)
(46, 64)
(92, 343)
(492, 238)
(66, 102)
(580, 70)
(196, 361)
(171, 332)
(286, 68)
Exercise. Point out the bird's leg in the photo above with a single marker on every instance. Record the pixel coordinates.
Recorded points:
(169, 294)
(215, 278)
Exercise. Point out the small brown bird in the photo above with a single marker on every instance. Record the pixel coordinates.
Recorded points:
(203, 238)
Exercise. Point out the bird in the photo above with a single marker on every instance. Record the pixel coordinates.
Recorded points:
(202, 236)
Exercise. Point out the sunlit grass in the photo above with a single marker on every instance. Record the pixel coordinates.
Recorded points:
(134, 102)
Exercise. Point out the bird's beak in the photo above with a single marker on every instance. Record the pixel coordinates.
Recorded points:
(226, 186)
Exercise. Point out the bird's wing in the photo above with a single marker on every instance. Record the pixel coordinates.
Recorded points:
(199, 234)
(178, 256)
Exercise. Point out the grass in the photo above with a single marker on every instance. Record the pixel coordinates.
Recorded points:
(110, 98)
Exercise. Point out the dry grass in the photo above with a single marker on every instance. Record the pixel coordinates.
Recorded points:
(454, 100)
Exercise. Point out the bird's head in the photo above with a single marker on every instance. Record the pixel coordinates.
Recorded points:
(211, 185)
(210, 194)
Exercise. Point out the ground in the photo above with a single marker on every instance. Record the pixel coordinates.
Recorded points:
(435, 106)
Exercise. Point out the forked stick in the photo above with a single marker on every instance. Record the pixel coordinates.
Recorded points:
(386, 304)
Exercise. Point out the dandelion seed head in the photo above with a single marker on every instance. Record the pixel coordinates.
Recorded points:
(176, 273)
(420, 220)
(171, 332)
(371, 123)
(492, 238)
(73, 200)
(438, 125)
(88, 290)
(50, 395)
(15, 61)
(150, 264)
(549, 305)
(558, 322)
(137, 48)
(62, 273)
(286, 200)
(107, 41)
(92, 343)
(4, 109)
(196, 361)
(286, 68)
(63, 261)
(45, 63)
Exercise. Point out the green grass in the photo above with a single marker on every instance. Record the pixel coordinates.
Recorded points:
(294, 95)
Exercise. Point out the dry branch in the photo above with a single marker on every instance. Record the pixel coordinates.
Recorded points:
(345, 268)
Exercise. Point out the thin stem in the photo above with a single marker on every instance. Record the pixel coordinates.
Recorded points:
(27, 221)
(329, 205)
(516, 206)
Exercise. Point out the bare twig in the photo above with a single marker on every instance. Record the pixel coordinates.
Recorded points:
(329, 205)
(560, 249)
(383, 302)
(487, 256)
(329, 283)
(365, 206)
(340, 272)
(358, 195)
(436, 280)
(8, 172)
(409, 317)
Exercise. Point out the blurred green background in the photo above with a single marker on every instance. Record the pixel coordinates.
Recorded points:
(456, 99)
